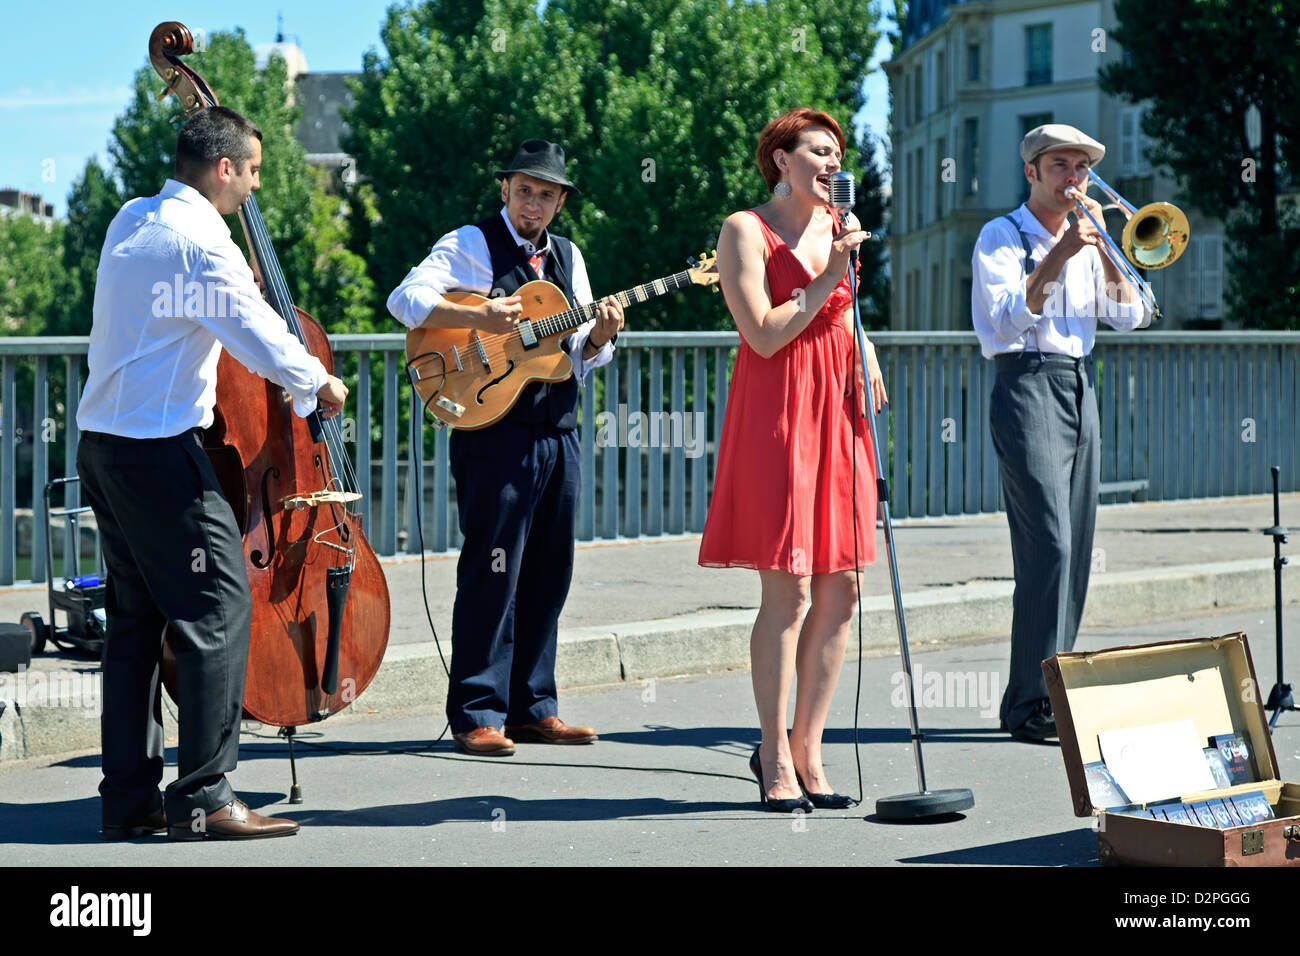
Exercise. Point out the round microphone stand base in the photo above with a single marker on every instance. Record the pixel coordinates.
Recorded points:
(921, 806)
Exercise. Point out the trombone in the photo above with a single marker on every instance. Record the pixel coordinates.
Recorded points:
(1154, 237)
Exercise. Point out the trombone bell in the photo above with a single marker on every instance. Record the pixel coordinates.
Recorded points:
(1155, 236)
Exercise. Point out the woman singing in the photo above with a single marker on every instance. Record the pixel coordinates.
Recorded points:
(783, 498)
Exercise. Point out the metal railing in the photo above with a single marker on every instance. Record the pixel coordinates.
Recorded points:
(1183, 415)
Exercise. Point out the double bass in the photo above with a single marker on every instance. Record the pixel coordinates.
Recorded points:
(320, 600)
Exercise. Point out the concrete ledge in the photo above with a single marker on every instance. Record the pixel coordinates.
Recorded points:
(691, 644)
(412, 674)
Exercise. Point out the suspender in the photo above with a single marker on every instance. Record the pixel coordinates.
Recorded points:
(1024, 241)
(1029, 267)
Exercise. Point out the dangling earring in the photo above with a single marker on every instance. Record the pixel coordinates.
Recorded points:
(781, 191)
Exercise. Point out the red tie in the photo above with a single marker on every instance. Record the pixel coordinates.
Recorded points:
(537, 260)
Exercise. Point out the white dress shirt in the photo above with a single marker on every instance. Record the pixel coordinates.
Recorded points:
(1068, 323)
(171, 291)
(460, 262)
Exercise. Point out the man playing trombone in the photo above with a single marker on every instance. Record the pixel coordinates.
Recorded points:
(1039, 286)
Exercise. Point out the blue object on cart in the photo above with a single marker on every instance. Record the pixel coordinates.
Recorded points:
(86, 581)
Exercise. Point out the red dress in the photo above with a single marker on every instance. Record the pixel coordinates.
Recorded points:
(783, 491)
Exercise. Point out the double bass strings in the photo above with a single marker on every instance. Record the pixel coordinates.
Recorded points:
(277, 287)
(340, 463)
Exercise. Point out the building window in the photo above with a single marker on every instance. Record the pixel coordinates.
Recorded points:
(923, 187)
(1027, 122)
(918, 104)
(1132, 143)
(940, 79)
(1032, 121)
(972, 63)
(965, 304)
(1038, 54)
(914, 285)
(936, 298)
(906, 189)
(940, 187)
(971, 155)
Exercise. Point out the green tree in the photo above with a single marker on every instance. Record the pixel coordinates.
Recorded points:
(143, 142)
(1241, 55)
(31, 274)
(306, 224)
(658, 106)
(92, 204)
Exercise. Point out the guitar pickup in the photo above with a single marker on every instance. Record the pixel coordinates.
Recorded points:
(527, 334)
(447, 405)
(455, 355)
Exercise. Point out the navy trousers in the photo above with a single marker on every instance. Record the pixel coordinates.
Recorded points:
(175, 561)
(517, 493)
(1043, 417)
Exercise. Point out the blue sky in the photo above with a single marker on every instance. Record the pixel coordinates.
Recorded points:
(66, 74)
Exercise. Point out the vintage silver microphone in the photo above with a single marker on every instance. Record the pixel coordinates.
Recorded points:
(923, 803)
(844, 193)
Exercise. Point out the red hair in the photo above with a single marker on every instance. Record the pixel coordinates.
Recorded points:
(784, 132)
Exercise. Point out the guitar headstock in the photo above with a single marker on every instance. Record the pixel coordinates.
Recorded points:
(704, 270)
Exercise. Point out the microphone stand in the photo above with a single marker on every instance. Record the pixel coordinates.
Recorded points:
(923, 803)
(1280, 697)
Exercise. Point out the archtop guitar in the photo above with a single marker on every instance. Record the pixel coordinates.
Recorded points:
(470, 379)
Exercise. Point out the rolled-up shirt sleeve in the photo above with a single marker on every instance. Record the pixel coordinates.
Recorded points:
(459, 262)
(999, 297)
(1123, 316)
(578, 340)
(252, 332)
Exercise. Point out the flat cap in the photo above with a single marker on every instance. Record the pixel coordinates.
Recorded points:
(1041, 139)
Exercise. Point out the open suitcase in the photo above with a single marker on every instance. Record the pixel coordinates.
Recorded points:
(1208, 681)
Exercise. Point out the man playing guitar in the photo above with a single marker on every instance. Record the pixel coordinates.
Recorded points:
(517, 480)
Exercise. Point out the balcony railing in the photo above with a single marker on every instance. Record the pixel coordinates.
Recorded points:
(1183, 415)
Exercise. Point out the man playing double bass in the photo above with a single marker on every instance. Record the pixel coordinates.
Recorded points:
(173, 289)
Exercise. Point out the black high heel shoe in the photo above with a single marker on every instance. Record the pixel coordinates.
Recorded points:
(825, 801)
(778, 806)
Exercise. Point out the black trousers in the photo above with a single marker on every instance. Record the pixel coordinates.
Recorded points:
(175, 562)
(1043, 418)
(517, 493)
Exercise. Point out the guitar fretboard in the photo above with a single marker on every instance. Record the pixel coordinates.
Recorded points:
(572, 318)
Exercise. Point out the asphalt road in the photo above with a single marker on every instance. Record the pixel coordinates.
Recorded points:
(667, 783)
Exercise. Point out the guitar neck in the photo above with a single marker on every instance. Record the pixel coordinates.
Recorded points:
(572, 318)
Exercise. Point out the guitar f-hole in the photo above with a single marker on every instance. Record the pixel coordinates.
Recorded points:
(500, 378)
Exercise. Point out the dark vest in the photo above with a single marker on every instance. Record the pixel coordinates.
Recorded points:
(540, 402)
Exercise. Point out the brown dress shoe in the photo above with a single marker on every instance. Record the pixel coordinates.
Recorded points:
(234, 821)
(484, 742)
(147, 825)
(552, 730)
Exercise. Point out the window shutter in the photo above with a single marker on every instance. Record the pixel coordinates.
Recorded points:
(1128, 140)
(1211, 268)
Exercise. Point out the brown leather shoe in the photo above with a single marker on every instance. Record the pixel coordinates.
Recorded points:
(484, 742)
(147, 825)
(234, 821)
(552, 730)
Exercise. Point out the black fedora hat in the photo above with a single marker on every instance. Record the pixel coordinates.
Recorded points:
(541, 160)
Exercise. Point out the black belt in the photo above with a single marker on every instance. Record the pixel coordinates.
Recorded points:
(1026, 359)
(190, 434)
